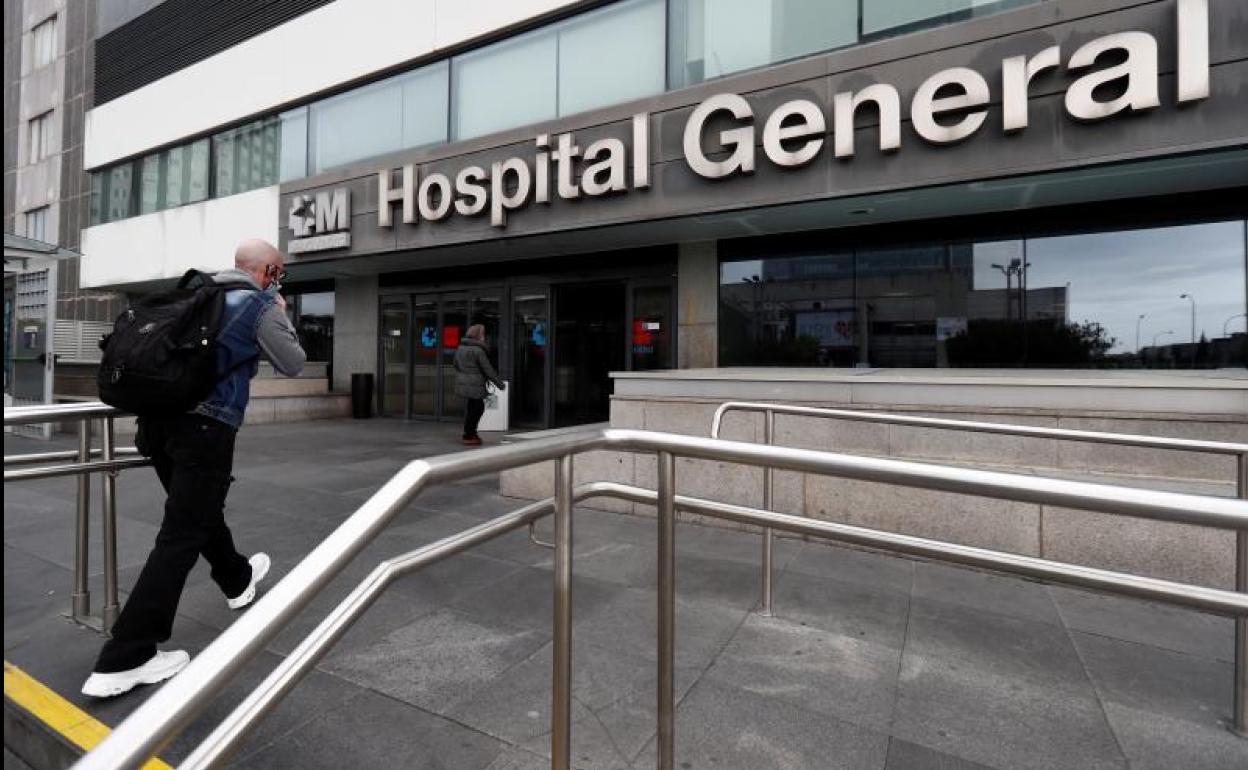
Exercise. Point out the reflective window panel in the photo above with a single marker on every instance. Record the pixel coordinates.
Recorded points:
(1158, 298)
(611, 55)
(510, 83)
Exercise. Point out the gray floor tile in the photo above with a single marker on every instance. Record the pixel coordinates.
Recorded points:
(372, 730)
(873, 613)
(14, 762)
(1158, 625)
(903, 755)
(440, 660)
(53, 541)
(985, 591)
(998, 720)
(728, 728)
(1186, 687)
(817, 670)
(1155, 741)
(851, 565)
(1024, 650)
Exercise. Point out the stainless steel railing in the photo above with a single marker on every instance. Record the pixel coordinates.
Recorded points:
(1238, 451)
(80, 463)
(169, 710)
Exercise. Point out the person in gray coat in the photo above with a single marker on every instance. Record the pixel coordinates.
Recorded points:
(472, 371)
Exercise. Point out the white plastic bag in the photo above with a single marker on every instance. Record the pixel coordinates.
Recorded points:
(496, 417)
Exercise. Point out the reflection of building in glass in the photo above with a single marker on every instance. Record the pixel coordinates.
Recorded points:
(881, 307)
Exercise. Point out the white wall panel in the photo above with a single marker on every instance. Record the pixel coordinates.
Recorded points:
(168, 243)
(337, 43)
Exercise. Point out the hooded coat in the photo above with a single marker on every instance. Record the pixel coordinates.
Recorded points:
(473, 369)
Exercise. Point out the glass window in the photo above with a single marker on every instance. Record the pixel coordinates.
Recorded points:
(120, 192)
(511, 83)
(1117, 299)
(99, 193)
(294, 145)
(37, 224)
(247, 157)
(150, 188)
(399, 113)
(40, 137)
(902, 15)
(197, 172)
(314, 323)
(175, 162)
(711, 38)
(424, 99)
(43, 43)
(630, 33)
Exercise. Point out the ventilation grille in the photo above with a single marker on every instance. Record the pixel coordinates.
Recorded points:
(178, 33)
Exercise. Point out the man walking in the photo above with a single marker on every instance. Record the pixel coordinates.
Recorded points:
(193, 454)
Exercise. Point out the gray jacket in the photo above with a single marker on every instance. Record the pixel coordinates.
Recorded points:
(473, 370)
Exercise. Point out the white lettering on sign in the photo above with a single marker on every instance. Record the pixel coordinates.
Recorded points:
(720, 138)
(320, 222)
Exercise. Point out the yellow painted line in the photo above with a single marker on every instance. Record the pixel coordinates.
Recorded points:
(76, 725)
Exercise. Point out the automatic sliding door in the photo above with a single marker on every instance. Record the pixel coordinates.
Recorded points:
(395, 357)
(530, 347)
(425, 364)
(454, 326)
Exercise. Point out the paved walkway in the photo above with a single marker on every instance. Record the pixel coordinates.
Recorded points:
(871, 661)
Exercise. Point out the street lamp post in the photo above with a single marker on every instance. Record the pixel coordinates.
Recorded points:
(1138, 321)
(1191, 299)
(1227, 323)
(1159, 335)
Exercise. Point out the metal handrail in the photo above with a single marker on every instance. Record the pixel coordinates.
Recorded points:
(1237, 450)
(112, 459)
(170, 709)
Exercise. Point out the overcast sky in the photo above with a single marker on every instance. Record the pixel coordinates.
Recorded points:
(1116, 276)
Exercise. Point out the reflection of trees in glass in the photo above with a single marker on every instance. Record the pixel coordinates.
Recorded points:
(995, 342)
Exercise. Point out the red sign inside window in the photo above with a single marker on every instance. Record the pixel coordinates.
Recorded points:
(450, 336)
(641, 334)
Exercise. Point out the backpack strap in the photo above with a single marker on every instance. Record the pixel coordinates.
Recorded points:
(194, 279)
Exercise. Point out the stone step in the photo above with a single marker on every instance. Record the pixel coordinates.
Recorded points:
(270, 387)
(312, 370)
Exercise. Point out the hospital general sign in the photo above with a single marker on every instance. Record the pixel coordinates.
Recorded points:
(1112, 75)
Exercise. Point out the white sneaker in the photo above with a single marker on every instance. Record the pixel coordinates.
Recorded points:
(162, 666)
(260, 564)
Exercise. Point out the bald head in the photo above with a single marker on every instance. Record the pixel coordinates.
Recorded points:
(260, 259)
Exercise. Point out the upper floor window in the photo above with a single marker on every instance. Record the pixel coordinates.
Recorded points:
(559, 70)
(43, 43)
(40, 145)
(712, 38)
(37, 224)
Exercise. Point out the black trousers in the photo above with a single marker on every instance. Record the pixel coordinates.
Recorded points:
(473, 409)
(193, 456)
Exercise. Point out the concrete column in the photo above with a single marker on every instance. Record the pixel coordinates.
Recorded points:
(355, 329)
(697, 314)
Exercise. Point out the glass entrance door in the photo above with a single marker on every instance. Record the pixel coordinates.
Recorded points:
(650, 343)
(395, 347)
(530, 346)
(589, 345)
(454, 327)
(424, 394)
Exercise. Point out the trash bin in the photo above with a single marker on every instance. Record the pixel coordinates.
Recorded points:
(362, 396)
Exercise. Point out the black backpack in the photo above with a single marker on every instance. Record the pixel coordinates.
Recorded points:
(161, 357)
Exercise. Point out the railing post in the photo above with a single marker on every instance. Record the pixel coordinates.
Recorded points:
(667, 610)
(80, 607)
(108, 451)
(1240, 713)
(769, 432)
(561, 677)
